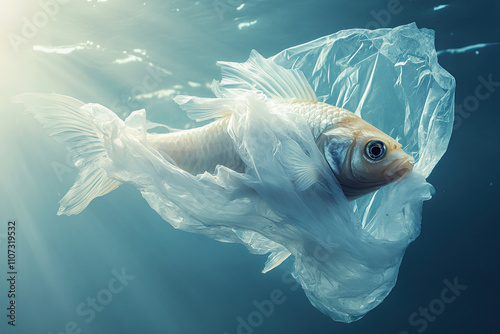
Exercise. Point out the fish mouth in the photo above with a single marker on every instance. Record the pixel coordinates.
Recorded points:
(399, 169)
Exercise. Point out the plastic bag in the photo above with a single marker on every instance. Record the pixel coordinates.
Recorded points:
(346, 255)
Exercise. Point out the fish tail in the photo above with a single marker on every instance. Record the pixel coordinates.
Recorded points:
(73, 126)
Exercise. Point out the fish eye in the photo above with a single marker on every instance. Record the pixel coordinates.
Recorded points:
(375, 149)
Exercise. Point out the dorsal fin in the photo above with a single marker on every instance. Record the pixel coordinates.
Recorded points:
(203, 108)
(261, 74)
(257, 75)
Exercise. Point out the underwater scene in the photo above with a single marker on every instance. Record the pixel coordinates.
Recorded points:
(229, 166)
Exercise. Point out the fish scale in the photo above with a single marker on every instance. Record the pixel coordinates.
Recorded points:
(320, 116)
(201, 149)
(361, 157)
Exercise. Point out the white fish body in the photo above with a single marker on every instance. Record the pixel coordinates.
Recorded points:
(342, 137)
(201, 149)
(345, 256)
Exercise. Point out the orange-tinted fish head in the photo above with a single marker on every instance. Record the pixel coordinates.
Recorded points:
(362, 157)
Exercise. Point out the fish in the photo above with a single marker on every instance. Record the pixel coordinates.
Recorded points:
(360, 156)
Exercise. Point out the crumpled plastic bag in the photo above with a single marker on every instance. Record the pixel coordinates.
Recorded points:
(346, 256)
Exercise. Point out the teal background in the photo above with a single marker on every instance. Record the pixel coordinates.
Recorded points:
(129, 55)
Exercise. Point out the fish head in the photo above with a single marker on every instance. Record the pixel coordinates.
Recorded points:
(362, 157)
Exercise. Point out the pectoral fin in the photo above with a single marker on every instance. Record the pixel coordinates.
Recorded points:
(299, 166)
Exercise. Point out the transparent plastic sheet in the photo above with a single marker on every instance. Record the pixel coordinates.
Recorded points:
(346, 255)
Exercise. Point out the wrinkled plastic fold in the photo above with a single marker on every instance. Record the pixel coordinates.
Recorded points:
(346, 256)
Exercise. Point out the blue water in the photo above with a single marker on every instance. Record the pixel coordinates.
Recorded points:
(130, 55)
